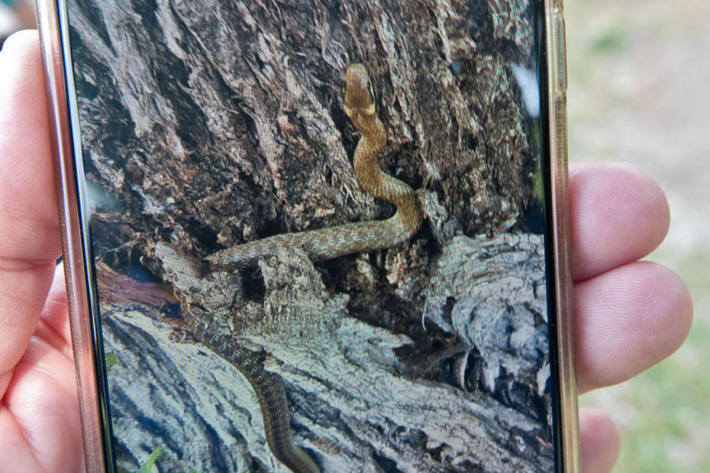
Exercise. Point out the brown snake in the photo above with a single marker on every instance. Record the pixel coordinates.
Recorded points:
(332, 242)
(324, 244)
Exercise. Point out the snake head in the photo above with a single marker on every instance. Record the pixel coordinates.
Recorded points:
(358, 93)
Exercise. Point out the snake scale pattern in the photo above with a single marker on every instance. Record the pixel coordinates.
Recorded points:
(349, 238)
(324, 244)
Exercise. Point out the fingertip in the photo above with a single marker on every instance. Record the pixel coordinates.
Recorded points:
(28, 208)
(600, 440)
(21, 44)
(619, 214)
(670, 313)
(628, 319)
(21, 59)
(659, 312)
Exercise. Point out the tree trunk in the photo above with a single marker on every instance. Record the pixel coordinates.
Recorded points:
(205, 126)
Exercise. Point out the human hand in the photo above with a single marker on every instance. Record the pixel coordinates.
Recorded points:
(39, 416)
(628, 314)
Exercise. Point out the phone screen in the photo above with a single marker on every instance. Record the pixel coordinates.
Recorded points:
(317, 234)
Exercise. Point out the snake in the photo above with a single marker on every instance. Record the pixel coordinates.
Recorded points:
(357, 237)
(324, 244)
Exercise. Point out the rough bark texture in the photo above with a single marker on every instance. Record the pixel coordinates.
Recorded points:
(225, 122)
(207, 126)
(361, 400)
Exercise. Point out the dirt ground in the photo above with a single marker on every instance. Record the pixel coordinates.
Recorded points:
(638, 74)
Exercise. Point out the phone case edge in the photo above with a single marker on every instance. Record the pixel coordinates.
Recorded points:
(557, 135)
(69, 220)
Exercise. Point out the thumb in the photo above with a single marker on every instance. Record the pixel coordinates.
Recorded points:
(29, 242)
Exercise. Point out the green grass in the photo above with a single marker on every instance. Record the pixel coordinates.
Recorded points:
(610, 39)
(147, 467)
(110, 359)
(671, 426)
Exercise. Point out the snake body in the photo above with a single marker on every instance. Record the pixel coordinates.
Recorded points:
(325, 244)
(270, 392)
(355, 237)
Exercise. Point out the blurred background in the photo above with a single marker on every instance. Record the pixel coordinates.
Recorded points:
(638, 91)
(638, 77)
(15, 15)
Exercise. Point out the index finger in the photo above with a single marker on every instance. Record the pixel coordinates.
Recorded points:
(618, 215)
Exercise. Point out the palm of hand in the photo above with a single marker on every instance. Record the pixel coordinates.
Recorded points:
(39, 423)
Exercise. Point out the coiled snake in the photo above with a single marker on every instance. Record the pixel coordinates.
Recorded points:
(324, 244)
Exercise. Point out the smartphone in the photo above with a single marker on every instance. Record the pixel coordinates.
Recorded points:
(315, 236)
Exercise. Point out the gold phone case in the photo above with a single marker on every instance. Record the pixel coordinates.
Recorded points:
(289, 319)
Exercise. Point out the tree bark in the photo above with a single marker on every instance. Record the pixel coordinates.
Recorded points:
(205, 126)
